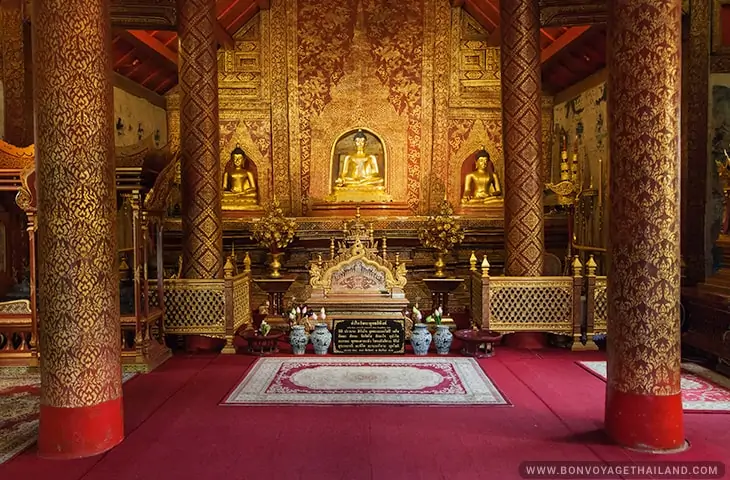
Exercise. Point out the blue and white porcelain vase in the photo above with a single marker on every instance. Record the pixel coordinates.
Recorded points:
(420, 339)
(321, 339)
(298, 339)
(442, 339)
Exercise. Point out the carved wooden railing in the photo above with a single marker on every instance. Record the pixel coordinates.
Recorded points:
(529, 304)
(18, 335)
(212, 308)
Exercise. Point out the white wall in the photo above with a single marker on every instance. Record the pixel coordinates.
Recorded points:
(131, 109)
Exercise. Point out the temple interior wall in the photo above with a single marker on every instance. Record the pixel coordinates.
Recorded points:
(2, 111)
(580, 111)
(420, 73)
(139, 117)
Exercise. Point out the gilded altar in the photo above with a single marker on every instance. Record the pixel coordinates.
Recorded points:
(358, 281)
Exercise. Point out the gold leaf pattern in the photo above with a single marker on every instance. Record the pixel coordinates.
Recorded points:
(78, 293)
(521, 112)
(644, 41)
(200, 141)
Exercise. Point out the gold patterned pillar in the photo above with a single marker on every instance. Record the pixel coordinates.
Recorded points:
(16, 78)
(643, 399)
(78, 289)
(202, 224)
(522, 137)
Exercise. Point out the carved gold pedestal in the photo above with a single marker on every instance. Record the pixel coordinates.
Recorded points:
(276, 288)
(489, 210)
(349, 209)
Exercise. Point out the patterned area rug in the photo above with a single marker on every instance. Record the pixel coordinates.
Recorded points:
(702, 390)
(354, 381)
(19, 408)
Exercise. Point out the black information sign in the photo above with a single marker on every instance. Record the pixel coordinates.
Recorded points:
(361, 337)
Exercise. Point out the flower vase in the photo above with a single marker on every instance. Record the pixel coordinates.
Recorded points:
(439, 265)
(321, 339)
(420, 339)
(442, 339)
(275, 265)
(298, 339)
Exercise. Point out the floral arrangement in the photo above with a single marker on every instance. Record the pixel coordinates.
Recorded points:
(300, 315)
(264, 328)
(415, 314)
(274, 231)
(441, 231)
(436, 316)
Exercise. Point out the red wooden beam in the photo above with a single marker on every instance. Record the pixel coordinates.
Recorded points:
(153, 46)
(264, 4)
(573, 34)
(224, 38)
(457, 3)
(473, 9)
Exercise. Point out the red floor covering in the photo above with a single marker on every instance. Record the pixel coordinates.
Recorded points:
(176, 430)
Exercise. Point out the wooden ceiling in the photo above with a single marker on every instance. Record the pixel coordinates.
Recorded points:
(149, 57)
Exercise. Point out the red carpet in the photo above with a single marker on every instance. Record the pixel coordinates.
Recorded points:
(176, 430)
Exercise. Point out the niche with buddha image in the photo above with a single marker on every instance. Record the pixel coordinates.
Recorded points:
(481, 186)
(358, 167)
(240, 182)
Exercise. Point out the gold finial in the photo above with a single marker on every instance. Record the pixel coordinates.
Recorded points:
(397, 259)
(228, 268)
(473, 262)
(385, 248)
(591, 266)
(577, 267)
(332, 248)
(357, 213)
(247, 263)
(319, 259)
(485, 267)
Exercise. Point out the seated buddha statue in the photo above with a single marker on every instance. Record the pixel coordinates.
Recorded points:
(359, 169)
(482, 185)
(359, 178)
(239, 183)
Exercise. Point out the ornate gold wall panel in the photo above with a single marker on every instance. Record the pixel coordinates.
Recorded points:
(475, 64)
(644, 273)
(16, 78)
(279, 102)
(243, 72)
(697, 70)
(521, 111)
(200, 145)
(78, 290)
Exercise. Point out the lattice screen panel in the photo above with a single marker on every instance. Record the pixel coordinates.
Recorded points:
(192, 308)
(241, 302)
(535, 304)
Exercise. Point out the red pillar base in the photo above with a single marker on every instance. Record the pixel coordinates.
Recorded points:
(645, 422)
(67, 433)
(531, 340)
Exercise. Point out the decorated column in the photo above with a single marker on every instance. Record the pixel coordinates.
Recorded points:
(15, 77)
(78, 289)
(643, 399)
(202, 224)
(522, 137)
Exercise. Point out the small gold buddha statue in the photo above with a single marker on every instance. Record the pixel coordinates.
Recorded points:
(482, 185)
(360, 178)
(239, 183)
(360, 169)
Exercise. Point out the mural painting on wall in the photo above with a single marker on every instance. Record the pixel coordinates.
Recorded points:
(583, 120)
(720, 144)
(359, 67)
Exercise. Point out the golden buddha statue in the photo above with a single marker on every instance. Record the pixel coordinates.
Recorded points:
(239, 183)
(482, 185)
(360, 178)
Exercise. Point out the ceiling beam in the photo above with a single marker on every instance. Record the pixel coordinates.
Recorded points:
(264, 4)
(138, 90)
(475, 11)
(567, 13)
(495, 38)
(151, 45)
(570, 36)
(144, 15)
(457, 3)
(224, 38)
